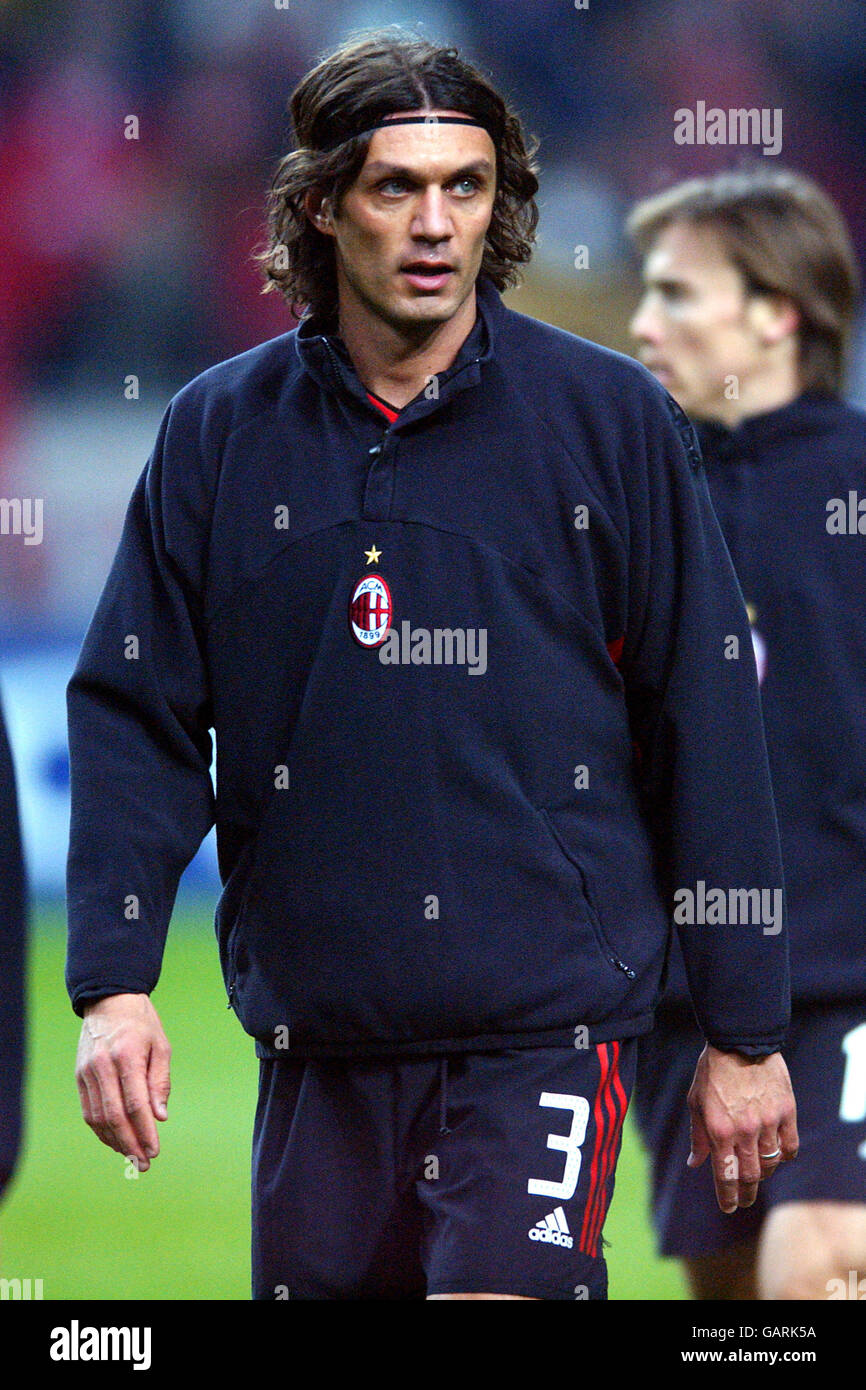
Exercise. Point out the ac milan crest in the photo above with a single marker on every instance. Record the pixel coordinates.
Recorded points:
(370, 610)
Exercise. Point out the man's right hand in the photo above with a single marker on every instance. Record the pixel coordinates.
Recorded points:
(122, 1071)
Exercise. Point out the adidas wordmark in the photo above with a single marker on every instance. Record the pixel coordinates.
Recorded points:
(553, 1230)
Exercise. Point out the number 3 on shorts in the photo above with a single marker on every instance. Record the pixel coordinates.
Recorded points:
(569, 1144)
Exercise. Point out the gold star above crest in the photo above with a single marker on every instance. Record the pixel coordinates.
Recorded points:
(372, 555)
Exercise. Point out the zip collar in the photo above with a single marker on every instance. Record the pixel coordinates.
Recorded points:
(811, 412)
(324, 355)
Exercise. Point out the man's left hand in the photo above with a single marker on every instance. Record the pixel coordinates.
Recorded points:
(744, 1116)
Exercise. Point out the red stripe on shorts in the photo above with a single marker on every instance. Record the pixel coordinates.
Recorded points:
(617, 1104)
(598, 1116)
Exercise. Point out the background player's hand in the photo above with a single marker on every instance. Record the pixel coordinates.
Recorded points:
(741, 1109)
(122, 1071)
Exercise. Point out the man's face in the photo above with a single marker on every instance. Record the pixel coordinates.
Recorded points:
(423, 199)
(695, 326)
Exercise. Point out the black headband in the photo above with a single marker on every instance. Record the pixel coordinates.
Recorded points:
(408, 120)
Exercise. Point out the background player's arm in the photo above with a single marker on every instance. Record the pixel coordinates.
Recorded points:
(13, 932)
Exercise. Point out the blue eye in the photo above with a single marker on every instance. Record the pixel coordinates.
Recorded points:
(387, 186)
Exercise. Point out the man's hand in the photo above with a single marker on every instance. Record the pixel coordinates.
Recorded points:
(743, 1113)
(122, 1071)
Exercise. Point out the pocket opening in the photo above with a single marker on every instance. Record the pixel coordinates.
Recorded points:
(602, 940)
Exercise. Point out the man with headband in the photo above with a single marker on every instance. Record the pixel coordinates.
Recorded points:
(446, 583)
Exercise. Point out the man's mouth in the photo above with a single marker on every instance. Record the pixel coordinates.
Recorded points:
(658, 369)
(427, 275)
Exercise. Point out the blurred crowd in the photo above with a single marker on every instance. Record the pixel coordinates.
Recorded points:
(120, 255)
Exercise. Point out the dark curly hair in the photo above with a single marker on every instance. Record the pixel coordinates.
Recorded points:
(352, 89)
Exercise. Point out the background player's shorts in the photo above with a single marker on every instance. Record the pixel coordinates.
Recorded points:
(826, 1057)
(472, 1173)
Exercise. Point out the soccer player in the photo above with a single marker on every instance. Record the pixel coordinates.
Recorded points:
(750, 291)
(12, 965)
(429, 569)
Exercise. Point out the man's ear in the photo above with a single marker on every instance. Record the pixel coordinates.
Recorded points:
(318, 209)
(774, 317)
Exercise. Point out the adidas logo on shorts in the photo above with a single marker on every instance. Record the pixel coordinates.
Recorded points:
(553, 1230)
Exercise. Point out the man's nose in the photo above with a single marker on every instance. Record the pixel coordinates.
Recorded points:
(432, 218)
(645, 326)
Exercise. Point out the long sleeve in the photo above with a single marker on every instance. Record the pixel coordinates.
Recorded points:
(13, 927)
(139, 729)
(696, 716)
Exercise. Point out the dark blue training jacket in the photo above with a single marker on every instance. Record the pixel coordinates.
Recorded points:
(12, 965)
(411, 860)
(778, 481)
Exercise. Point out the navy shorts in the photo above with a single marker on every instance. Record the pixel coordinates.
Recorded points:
(826, 1057)
(481, 1172)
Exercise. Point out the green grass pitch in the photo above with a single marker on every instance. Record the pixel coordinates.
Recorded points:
(181, 1231)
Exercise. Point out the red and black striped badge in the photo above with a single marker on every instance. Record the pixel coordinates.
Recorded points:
(371, 610)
